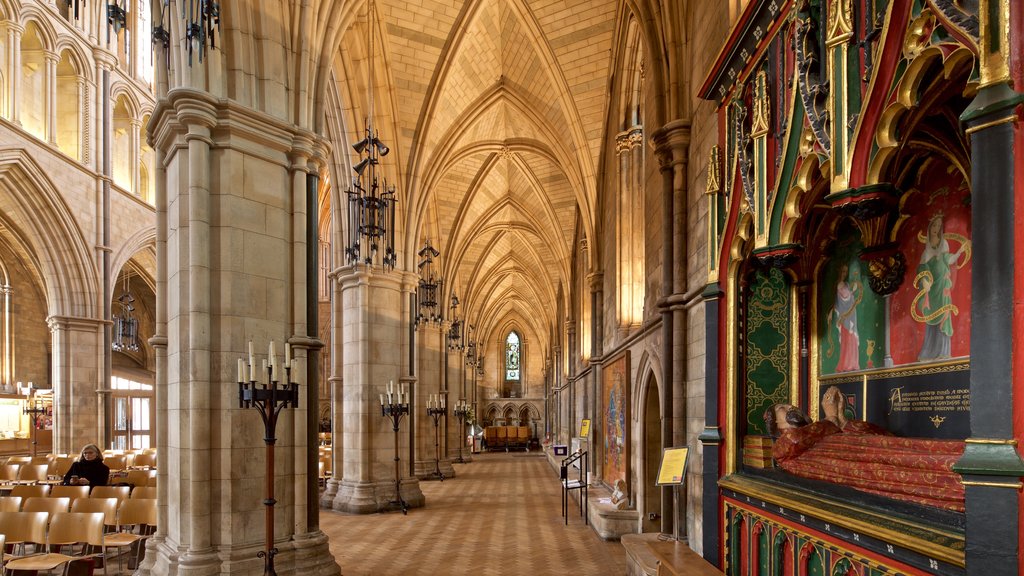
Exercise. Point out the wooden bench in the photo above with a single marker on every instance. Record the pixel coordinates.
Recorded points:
(648, 555)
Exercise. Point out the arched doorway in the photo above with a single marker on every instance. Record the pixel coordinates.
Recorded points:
(652, 457)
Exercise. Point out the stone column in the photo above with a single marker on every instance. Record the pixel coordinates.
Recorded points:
(14, 32)
(51, 98)
(672, 143)
(432, 346)
(77, 369)
(228, 220)
(596, 281)
(371, 339)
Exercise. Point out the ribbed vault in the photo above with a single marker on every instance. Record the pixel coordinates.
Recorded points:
(497, 112)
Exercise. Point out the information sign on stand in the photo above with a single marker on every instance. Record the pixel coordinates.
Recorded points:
(585, 428)
(673, 466)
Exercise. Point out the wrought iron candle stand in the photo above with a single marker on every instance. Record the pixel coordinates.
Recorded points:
(435, 410)
(269, 397)
(37, 411)
(396, 411)
(462, 412)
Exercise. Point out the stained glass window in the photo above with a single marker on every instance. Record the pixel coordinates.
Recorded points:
(512, 357)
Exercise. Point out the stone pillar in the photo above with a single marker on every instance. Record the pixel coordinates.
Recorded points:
(136, 124)
(432, 346)
(672, 143)
(227, 221)
(77, 369)
(14, 32)
(596, 280)
(372, 340)
(51, 97)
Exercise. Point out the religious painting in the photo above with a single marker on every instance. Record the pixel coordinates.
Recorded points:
(931, 311)
(851, 317)
(615, 420)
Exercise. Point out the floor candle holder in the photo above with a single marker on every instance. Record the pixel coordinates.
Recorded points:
(396, 406)
(436, 409)
(269, 397)
(461, 412)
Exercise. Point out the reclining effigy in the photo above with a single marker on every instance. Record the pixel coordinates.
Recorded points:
(864, 456)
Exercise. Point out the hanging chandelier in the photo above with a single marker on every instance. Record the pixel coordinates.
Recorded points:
(126, 325)
(117, 19)
(455, 328)
(371, 201)
(201, 23)
(428, 310)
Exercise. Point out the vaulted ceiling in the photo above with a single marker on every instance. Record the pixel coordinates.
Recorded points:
(496, 111)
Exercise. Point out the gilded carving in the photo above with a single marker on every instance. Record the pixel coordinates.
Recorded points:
(840, 21)
(761, 110)
(919, 34)
(811, 79)
(714, 182)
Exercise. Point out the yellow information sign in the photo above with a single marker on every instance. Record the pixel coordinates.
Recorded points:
(585, 428)
(673, 466)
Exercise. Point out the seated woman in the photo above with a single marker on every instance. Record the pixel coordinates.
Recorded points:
(89, 469)
(864, 456)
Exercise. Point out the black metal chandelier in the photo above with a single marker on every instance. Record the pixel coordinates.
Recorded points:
(428, 309)
(201, 22)
(371, 201)
(455, 328)
(125, 336)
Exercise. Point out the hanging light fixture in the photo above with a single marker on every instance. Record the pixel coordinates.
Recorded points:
(428, 288)
(371, 201)
(126, 325)
(201, 23)
(117, 19)
(455, 328)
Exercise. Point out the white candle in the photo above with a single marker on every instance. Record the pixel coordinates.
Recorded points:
(241, 370)
(442, 401)
(287, 355)
(381, 399)
(389, 398)
(264, 368)
(252, 357)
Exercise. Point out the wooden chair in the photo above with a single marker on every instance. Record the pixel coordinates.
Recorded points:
(60, 465)
(33, 472)
(10, 503)
(49, 505)
(19, 460)
(9, 472)
(31, 491)
(73, 492)
(40, 459)
(21, 528)
(145, 460)
(115, 461)
(152, 481)
(119, 492)
(137, 521)
(137, 477)
(66, 529)
(143, 492)
(108, 506)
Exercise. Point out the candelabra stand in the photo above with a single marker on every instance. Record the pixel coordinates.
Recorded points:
(37, 411)
(396, 411)
(269, 399)
(461, 412)
(436, 412)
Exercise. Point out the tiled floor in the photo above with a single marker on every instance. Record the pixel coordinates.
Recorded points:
(500, 516)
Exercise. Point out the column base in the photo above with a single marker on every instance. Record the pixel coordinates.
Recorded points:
(427, 470)
(373, 497)
(306, 554)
